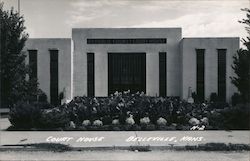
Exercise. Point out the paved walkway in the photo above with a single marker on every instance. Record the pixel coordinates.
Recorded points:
(84, 139)
(4, 110)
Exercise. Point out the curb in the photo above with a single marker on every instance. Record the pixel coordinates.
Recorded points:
(130, 148)
(199, 147)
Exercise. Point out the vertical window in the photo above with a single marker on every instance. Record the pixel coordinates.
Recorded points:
(162, 74)
(54, 77)
(91, 74)
(33, 63)
(222, 74)
(200, 74)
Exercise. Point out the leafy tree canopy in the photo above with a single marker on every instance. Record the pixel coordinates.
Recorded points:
(241, 63)
(14, 84)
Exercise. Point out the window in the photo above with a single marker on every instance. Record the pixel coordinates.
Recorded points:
(33, 63)
(128, 41)
(162, 74)
(91, 74)
(33, 67)
(222, 74)
(54, 100)
(200, 72)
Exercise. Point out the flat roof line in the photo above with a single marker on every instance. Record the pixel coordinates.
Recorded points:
(49, 38)
(130, 28)
(209, 37)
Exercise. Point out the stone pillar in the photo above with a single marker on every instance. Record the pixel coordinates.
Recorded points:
(101, 74)
(152, 74)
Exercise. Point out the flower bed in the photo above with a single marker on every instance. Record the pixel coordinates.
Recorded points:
(126, 111)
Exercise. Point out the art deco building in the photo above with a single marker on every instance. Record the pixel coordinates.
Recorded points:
(158, 61)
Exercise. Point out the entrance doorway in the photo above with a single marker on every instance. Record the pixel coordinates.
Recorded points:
(126, 71)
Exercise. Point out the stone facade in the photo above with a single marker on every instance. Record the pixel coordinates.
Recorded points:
(180, 60)
(188, 58)
(43, 47)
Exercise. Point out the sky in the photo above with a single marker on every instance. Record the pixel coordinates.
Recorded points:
(197, 18)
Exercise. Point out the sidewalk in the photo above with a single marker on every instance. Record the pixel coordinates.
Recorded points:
(109, 139)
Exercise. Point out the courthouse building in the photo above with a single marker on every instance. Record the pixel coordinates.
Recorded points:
(158, 61)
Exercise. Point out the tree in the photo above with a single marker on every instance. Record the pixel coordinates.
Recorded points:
(14, 84)
(241, 63)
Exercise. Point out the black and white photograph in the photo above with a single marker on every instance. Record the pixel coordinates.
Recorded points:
(125, 80)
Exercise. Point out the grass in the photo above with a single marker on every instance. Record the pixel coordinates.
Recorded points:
(140, 148)
(218, 147)
(55, 147)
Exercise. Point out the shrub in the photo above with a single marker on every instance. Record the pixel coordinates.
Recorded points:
(130, 121)
(130, 110)
(25, 115)
(72, 125)
(237, 117)
(86, 123)
(216, 120)
(195, 97)
(193, 121)
(236, 99)
(161, 122)
(150, 127)
(213, 97)
(144, 121)
(97, 123)
(43, 105)
(54, 118)
(42, 97)
(115, 122)
(204, 121)
(107, 120)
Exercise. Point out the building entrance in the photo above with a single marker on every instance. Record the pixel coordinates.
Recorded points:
(126, 71)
